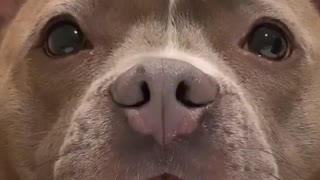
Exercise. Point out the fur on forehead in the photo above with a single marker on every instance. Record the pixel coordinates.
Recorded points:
(8, 9)
(316, 3)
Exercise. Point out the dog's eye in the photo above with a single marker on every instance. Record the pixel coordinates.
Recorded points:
(268, 41)
(64, 39)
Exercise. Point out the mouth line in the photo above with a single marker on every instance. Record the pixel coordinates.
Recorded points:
(166, 176)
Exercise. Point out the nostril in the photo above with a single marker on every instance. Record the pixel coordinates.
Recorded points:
(182, 95)
(181, 91)
(145, 92)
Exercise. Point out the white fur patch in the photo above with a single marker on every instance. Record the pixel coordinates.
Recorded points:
(171, 29)
(172, 4)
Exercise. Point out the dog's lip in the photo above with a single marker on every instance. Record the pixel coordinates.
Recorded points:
(166, 176)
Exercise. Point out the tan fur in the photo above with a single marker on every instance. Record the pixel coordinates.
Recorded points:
(57, 120)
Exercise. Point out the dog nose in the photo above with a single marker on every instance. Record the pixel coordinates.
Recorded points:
(164, 98)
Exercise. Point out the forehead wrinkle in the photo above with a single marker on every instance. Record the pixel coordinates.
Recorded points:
(271, 9)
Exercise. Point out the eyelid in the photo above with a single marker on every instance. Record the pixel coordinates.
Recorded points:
(286, 47)
(277, 25)
(43, 33)
(272, 21)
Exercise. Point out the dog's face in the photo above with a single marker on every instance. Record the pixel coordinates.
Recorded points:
(160, 89)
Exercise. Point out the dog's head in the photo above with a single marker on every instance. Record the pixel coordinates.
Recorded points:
(160, 89)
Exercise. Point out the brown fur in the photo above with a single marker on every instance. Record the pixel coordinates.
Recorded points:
(57, 120)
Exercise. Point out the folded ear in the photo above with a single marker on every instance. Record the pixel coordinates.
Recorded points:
(316, 176)
(316, 3)
(8, 10)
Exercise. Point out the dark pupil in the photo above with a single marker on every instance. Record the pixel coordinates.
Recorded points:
(64, 40)
(268, 42)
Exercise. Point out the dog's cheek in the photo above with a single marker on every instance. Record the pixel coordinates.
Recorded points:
(86, 141)
(18, 118)
(48, 150)
(242, 129)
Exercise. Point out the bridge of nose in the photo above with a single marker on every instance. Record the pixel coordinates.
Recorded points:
(161, 110)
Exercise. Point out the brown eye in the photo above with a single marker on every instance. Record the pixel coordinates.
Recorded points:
(268, 41)
(64, 39)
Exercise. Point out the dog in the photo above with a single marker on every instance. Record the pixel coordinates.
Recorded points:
(159, 89)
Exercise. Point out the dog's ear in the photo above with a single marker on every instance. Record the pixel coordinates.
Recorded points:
(315, 176)
(316, 3)
(8, 10)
